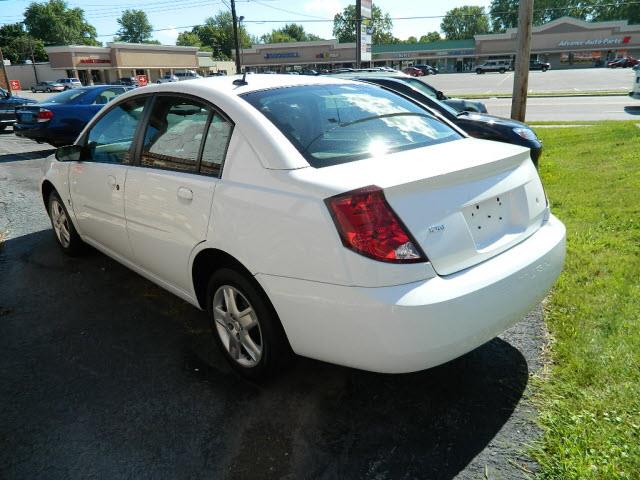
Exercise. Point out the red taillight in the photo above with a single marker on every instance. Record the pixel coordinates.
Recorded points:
(45, 115)
(367, 225)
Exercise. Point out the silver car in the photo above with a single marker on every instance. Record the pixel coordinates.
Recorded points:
(68, 83)
(167, 79)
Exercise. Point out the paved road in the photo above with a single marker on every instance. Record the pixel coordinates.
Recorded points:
(104, 375)
(583, 80)
(572, 109)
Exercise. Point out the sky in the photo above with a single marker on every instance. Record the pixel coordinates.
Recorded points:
(261, 16)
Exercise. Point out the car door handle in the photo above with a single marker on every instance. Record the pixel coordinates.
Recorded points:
(111, 181)
(185, 194)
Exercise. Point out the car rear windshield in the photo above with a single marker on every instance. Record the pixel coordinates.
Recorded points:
(331, 124)
(67, 96)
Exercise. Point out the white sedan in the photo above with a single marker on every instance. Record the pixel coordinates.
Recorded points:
(317, 215)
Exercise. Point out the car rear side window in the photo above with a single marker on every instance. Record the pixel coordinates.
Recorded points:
(110, 139)
(69, 96)
(331, 124)
(215, 145)
(174, 134)
(107, 95)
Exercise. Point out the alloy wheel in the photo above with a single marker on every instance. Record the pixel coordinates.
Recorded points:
(60, 223)
(238, 326)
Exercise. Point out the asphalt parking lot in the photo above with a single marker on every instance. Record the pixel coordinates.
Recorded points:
(577, 81)
(107, 376)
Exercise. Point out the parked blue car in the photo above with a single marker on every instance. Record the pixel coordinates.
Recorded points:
(8, 104)
(59, 119)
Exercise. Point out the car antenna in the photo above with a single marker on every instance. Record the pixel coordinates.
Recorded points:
(241, 81)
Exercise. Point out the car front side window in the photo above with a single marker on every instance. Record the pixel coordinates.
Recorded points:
(174, 134)
(110, 139)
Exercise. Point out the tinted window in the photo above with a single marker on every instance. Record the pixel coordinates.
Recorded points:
(331, 124)
(174, 134)
(215, 146)
(107, 95)
(109, 141)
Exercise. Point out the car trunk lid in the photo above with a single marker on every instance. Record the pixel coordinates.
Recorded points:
(464, 201)
(28, 114)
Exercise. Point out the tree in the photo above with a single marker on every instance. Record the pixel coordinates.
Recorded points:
(17, 45)
(344, 25)
(464, 22)
(134, 27)
(288, 33)
(504, 13)
(56, 24)
(430, 37)
(217, 34)
(188, 39)
(411, 40)
(616, 10)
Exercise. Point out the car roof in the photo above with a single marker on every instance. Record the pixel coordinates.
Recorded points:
(264, 137)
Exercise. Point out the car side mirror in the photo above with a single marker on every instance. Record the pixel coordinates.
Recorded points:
(69, 153)
(440, 95)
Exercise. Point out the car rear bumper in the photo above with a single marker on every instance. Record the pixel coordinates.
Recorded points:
(634, 95)
(41, 133)
(412, 327)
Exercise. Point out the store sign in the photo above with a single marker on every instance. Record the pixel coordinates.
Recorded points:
(15, 85)
(282, 55)
(365, 8)
(93, 61)
(365, 43)
(598, 42)
(142, 80)
(325, 55)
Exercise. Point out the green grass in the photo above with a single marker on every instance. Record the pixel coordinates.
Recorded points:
(589, 398)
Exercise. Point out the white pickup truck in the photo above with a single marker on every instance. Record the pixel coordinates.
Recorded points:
(635, 90)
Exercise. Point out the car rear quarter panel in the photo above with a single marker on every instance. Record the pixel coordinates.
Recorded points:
(275, 222)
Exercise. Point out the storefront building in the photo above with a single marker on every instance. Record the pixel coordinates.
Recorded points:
(565, 43)
(446, 55)
(317, 55)
(97, 65)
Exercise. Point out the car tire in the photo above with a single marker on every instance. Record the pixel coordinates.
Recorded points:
(479, 71)
(33, 90)
(245, 325)
(48, 90)
(502, 70)
(544, 69)
(66, 235)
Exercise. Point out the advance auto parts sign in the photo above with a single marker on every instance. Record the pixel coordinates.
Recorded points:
(598, 42)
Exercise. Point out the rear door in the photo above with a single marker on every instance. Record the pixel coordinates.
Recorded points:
(97, 183)
(170, 192)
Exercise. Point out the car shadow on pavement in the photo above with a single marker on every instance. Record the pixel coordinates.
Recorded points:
(632, 110)
(106, 375)
(34, 155)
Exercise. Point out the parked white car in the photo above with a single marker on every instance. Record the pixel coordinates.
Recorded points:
(187, 75)
(635, 89)
(167, 79)
(68, 83)
(329, 217)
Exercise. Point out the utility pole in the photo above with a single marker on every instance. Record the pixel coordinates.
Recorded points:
(4, 73)
(236, 40)
(33, 62)
(358, 33)
(521, 78)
